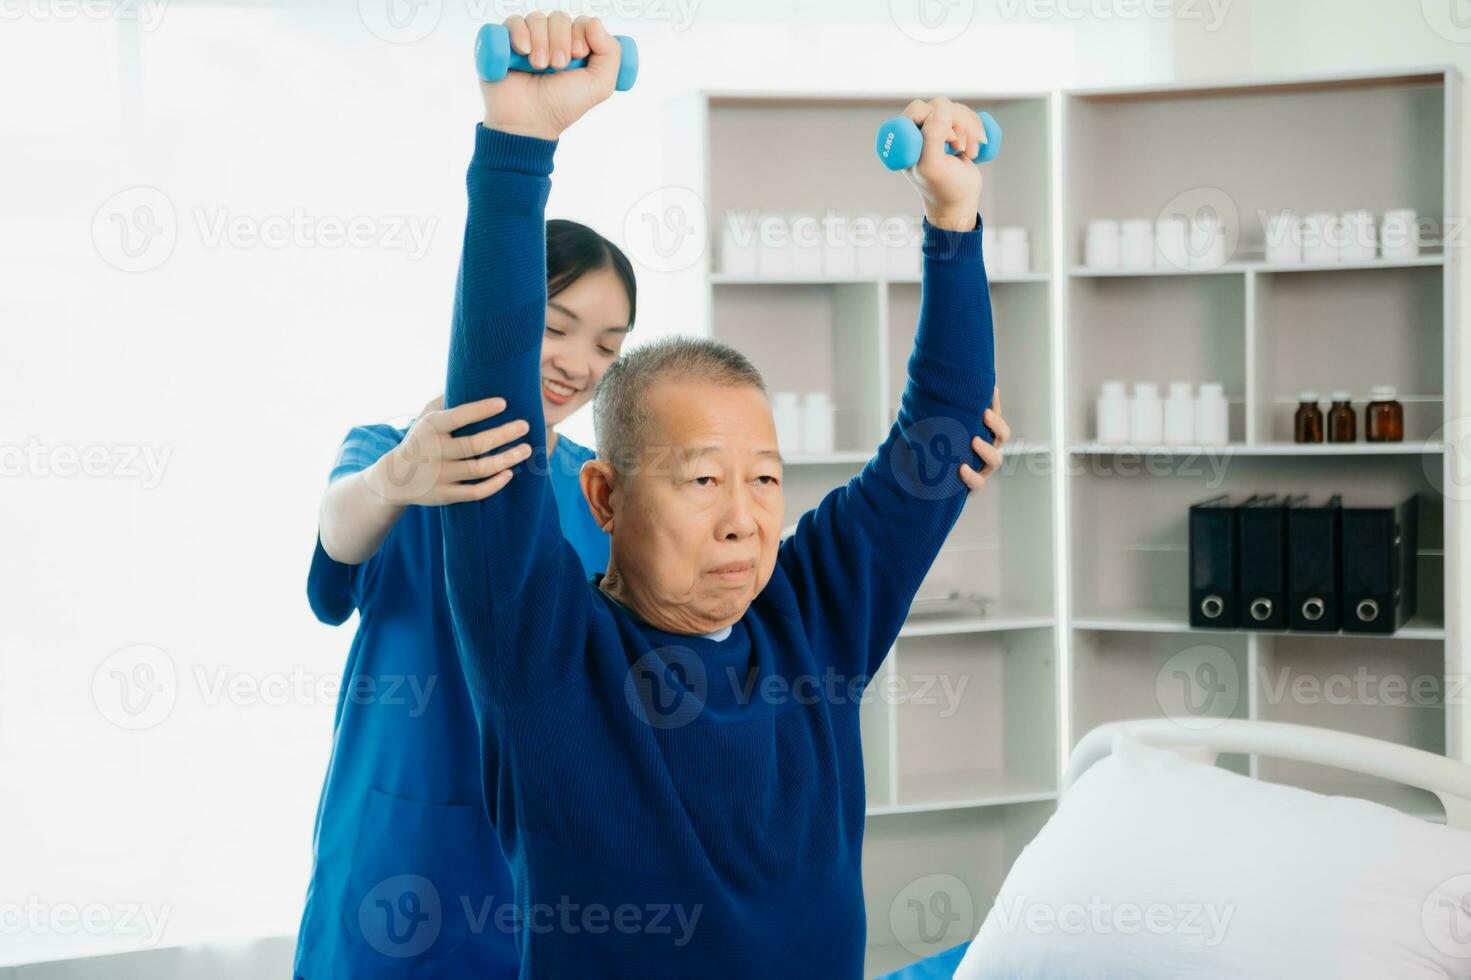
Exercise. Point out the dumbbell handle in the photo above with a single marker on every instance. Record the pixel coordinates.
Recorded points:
(900, 141)
(494, 57)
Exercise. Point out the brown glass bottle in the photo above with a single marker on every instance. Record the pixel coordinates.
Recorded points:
(1384, 418)
(1307, 424)
(1342, 422)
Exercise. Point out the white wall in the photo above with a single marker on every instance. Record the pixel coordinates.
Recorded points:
(207, 391)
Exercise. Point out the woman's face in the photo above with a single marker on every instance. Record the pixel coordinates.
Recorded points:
(586, 323)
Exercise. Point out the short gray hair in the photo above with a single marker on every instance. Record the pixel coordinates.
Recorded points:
(621, 415)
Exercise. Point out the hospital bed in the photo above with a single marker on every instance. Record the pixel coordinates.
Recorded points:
(1318, 886)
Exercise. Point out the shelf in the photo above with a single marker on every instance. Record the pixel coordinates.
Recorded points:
(1011, 277)
(928, 792)
(917, 626)
(1411, 448)
(1158, 621)
(1415, 263)
(1241, 268)
(1084, 272)
(1023, 448)
(724, 279)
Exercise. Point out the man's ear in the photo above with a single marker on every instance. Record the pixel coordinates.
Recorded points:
(596, 479)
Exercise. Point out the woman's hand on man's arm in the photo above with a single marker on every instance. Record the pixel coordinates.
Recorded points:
(990, 452)
(427, 469)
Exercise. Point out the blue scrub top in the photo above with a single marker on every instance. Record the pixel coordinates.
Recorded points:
(408, 877)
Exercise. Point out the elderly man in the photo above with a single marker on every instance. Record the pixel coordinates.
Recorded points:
(671, 751)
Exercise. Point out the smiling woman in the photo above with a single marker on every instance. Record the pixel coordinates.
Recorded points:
(590, 308)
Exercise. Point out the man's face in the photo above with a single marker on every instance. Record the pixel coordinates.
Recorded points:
(696, 528)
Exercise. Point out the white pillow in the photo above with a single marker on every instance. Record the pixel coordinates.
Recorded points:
(1158, 866)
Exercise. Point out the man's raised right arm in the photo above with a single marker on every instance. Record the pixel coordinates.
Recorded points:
(516, 590)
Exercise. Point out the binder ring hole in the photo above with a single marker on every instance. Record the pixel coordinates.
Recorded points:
(1212, 606)
(1261, 609)
(1368, 610)
(1313, 609)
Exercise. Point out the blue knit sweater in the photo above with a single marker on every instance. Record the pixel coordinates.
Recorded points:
(677, 806)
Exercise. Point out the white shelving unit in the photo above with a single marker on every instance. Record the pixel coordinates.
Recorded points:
(1266, 332)
(1080, 548)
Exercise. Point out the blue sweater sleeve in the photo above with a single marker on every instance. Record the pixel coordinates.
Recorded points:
(515, 585)
(858, 558)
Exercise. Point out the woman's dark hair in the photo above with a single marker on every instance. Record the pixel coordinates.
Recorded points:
(573, 250)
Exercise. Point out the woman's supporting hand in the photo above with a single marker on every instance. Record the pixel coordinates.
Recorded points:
(359, 510)
(542, 106)
(429, 467)
(989, 452)
(949, 185)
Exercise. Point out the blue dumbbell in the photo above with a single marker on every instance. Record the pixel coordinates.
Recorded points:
(494, 57)
(899, 142)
